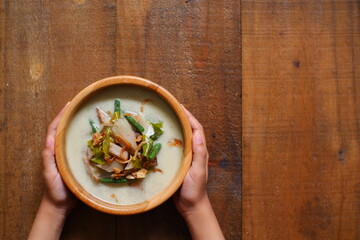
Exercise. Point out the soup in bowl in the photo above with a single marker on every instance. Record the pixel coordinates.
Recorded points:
(123, 145)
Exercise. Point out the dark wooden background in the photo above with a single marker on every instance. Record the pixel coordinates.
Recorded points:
(301, 116)
(50, 50)
(275, 84)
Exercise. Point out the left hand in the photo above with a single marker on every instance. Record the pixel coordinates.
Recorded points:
(193, 193)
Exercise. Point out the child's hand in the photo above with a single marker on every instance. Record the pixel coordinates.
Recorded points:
(192, 200)
(56, 192)
(57, 200)
(193, 191)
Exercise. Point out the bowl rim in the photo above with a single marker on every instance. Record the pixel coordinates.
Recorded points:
(60, 150)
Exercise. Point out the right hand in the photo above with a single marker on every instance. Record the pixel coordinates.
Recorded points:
(56, 193)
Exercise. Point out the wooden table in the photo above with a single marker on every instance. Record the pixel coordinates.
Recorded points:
(275, 84)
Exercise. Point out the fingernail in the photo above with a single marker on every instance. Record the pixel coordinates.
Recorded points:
(198, 139)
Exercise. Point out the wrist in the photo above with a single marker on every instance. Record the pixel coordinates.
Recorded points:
(202, 222)
(49, 221)
(202, 206)
(48, 206)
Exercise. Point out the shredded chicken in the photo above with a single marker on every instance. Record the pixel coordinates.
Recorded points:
(119, 152)
(90, 168)
(110, 167)
(116, 149)
(104, 118)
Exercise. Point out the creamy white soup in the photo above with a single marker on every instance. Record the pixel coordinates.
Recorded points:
(169, 157)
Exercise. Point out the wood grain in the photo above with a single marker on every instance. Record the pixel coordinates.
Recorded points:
(2, 117)
(301, 119)
(50, 50)
(192, 48)
(81, 46)
(22, 138)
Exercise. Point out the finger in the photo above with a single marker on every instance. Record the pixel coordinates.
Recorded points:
(195, 124)
(48, 154)
(54, 124)
(48, 158)
(200, 153)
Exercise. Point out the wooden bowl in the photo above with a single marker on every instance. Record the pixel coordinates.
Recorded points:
(83, 194)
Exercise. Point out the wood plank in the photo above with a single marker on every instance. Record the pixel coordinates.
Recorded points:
(52, 50)
(2, 119)
(24, 138)
(301, 169)
(82, 41)
(192, 48)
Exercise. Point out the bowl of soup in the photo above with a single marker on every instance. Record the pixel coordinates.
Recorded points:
(123, 145)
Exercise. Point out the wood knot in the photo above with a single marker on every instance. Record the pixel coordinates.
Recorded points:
(296, 63)
(36, 70)
(342, 155)
(79, 2)
(224, 163)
